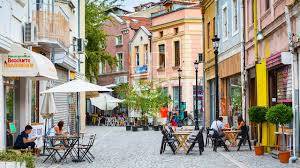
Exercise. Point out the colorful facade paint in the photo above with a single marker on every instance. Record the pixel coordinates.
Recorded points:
(177, 42)
(271, 23)
(209, 17)
(140, 56)
(229, 21)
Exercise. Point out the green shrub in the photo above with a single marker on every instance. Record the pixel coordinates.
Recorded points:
(257, 114)
(16, 156)
(280, 114)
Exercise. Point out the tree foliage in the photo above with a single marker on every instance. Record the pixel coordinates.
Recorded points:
(96, 14)
(257, 114)
(280, 114)
(144, 97)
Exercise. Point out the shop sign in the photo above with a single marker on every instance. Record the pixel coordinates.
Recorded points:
(18, 61)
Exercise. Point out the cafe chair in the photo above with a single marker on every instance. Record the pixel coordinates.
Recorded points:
(209, 133)
(84, 149)
(244, 137)
(218, 141)
(167, 139)
(193, 140)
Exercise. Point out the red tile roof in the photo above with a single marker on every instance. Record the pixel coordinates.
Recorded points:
(137, 22)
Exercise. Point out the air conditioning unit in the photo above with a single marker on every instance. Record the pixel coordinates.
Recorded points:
(80, 45)
(30, 33)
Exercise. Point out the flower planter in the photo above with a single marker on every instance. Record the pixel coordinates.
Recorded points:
(12, 164)
(284, 156)
(145, 128)
(134, 128)
(259, 150)
(128, 128)
(155, 128)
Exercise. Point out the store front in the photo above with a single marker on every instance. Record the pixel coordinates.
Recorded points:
(22, 71)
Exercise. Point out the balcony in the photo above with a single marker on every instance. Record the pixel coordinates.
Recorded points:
(141, 69)
(52, 29)
(66, 60)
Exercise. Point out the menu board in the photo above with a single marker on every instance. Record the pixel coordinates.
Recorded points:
(38, 132)
(284, 85)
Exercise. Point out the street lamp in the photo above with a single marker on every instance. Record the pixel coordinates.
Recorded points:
(215, 41)
(179, 85)
(196, 65)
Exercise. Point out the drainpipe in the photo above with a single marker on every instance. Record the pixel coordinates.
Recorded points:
(203, 71)
(243, 70)
(295, 84)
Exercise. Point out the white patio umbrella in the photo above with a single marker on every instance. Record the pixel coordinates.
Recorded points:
(47, 110)
(105, 102)
(77, 86)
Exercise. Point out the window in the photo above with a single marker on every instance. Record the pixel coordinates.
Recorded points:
(250, 12)
(267, 4)
(225, 23)
(208, 35)
(161, 34)
(235, 16)
(176, 30)
(177, 53)
(101, 68)
(119, 40)
(161, 51)
(137, 56)
(146, 53)
(120, 63)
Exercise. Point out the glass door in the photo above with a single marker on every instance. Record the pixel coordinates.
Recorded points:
(10, 111)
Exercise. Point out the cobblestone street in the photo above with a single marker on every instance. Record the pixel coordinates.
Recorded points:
(117, 148)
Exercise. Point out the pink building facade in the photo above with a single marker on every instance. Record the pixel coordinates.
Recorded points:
(120, 30)
(176, 43)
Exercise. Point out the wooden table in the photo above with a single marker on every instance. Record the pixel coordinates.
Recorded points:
(182, 137)
(233, 138)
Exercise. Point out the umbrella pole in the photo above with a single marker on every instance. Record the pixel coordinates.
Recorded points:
(78, 159)
(45, 135)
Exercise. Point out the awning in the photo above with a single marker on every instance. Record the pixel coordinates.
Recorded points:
(21, 62)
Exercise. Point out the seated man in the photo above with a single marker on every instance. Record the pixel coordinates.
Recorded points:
(22, 141)
(218, 126)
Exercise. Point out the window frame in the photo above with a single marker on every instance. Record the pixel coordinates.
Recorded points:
(118, 69)
(225, 38)
(179, 54)
(159, 56)
(235, 11)
(137, 55)
(116, 40)
(146, 51)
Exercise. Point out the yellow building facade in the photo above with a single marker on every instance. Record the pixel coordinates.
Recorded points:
(209, 15)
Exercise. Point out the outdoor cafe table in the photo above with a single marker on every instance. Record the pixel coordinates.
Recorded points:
(67, 142)
(235, 134)
(182, 137)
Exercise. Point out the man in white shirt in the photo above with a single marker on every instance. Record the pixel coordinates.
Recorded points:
(218, 125)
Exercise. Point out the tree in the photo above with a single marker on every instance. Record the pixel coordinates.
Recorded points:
(257, 115)
(96, 14)
(144, 97)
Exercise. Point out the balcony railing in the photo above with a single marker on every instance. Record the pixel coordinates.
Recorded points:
(141, 69)
(52, 27)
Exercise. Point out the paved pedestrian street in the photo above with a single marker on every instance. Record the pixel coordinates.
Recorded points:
(117, 148)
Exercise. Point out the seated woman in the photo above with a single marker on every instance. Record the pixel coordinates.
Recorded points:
(59, 128)
(23, 141)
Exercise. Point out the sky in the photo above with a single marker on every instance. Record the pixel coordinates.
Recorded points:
(129, 4)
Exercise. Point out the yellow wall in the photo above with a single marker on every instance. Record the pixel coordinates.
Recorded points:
(268, 137)
(209, 15)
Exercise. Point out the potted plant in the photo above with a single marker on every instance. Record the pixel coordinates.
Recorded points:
(18, 158)
(281, 115)
(257, 115)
